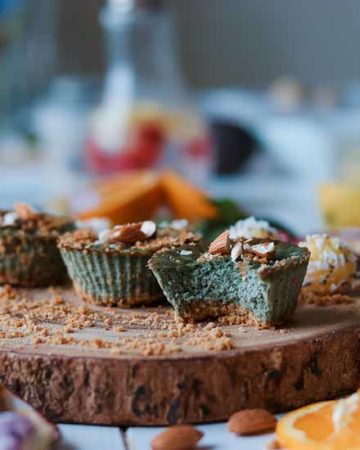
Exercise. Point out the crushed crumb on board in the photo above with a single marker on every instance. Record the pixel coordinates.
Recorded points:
(311, 298)
(50, 318)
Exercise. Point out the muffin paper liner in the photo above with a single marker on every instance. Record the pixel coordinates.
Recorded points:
(30, 260)
(111, 279)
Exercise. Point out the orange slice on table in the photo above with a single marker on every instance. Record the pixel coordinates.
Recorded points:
(333, 425)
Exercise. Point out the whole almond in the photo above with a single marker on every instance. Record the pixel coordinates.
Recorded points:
(178, 437)
(251, 421)
(221, 245)
(130, 233)
(273, 445)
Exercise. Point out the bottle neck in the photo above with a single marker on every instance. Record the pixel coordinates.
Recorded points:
(141, 52)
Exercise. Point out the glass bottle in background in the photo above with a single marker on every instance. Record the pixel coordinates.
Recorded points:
(145, 118)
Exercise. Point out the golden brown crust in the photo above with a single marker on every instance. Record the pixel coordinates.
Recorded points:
(308, 296)
(42, 223)
(226, 314)
(165, 238)
(123, 302)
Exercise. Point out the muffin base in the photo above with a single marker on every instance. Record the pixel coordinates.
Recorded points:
(112, 279)
(36, 262)
(123, 302)
(230, 314)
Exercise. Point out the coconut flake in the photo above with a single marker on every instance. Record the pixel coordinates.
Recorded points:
(250, 228)
(185, 252)
(105, 235)
(9, 219)
(148, 228)
(264, 249)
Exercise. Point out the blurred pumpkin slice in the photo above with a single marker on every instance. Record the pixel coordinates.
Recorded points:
(333, 425)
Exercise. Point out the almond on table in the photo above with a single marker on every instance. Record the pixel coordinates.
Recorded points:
(251, 421)
(178, 437)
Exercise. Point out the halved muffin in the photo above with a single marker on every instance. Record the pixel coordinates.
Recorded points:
(111, 268)
(28, 247)
(258, 279)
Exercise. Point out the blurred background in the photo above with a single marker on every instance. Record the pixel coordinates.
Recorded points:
(250, 100)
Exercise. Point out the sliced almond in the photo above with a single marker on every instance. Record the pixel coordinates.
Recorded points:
(251, 421)
(221, 245)
(178, 437)
(236, 251)
(265, 249)
(130, 233)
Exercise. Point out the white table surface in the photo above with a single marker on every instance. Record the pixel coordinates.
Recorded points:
(216, 437)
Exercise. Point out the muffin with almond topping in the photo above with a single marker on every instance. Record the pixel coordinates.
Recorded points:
(110, 268)
(247, 278)
(29, 255)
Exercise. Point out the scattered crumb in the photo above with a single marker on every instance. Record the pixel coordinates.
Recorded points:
(311, 298)
(52, 318)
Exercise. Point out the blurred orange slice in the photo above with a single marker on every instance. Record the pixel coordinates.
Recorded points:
(333, 425)
(140, 195)
(124, 200)
(185, 200)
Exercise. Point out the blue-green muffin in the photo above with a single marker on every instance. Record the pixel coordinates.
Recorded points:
(258, 280)
(111, 268)
(29, 255)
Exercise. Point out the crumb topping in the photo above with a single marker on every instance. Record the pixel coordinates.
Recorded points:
(163, 238)
(258, 250)
(310, 297)
(249, 239)
(26, 218)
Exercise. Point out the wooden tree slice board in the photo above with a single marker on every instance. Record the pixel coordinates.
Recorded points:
(188, 378)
